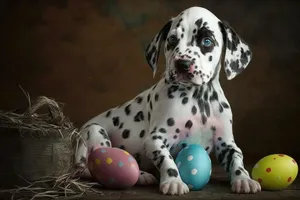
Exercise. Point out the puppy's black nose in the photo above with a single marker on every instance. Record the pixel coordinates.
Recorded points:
(183, 65)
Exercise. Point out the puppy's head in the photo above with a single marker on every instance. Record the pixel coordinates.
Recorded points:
(193, 47)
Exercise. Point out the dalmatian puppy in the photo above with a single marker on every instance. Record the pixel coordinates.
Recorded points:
(187, 103)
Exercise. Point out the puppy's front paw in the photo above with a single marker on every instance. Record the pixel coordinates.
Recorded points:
(245, 185)
(173, 187)
(146, 179)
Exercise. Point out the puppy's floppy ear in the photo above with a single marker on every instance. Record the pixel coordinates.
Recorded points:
(152, 49)
(237, 52)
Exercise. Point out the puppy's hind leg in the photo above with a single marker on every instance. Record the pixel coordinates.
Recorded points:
(92, 136)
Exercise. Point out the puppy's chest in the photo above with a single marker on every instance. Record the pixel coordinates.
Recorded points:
(185, 114)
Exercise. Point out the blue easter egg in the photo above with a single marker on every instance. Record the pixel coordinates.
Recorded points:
(194, 166)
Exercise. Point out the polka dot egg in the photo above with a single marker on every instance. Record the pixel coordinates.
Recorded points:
(113, 168)
(194, 166)
(275, 172)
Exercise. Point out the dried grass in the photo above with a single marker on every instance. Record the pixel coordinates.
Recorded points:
(46, 125)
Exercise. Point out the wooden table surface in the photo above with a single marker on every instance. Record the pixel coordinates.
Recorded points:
(217, 188)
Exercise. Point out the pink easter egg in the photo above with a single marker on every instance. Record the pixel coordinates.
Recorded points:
(114, 168)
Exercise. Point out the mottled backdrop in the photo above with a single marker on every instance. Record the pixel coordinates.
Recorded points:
(89, 55)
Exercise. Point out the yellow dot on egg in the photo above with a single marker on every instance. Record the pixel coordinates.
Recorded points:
(109, 160)
(97, 161)
(126, 152)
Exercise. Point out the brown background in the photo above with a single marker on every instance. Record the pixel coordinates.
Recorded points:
(89, 55)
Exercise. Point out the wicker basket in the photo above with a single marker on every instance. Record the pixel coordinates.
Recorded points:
(27, 158)
(35, 145)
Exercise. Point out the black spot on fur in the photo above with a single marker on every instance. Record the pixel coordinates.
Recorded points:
(139, 99)
(198, 23)
(156, 153)
(195, 94)
(121, 125)
(177, 130)
(207, 109)
(194, 110)
(156, 97)
(170, 121)
(210, 58)
(127, 109)
(203, 119)
(213, 128)
(225, 105)
(196, 54)
(214, 96)
(165, 141)
(142, 133)
(116, 121)
(148, 97)
(183, 145)
(150, 54)
(162, 130)
(234, 65)
(149, 116)
(88, 135)
(183, 94)
(122, 147)
(108, 143)
(223, 144)
(139, 116)
(103, 133)
(185, 100)
(189, 124)
(221, 109)
(108, 113)
(207, 148)
(155, 137)
(126, 134)
(171, 90)
(238, 172)
(175, 137)
(219, 138)
(172, 172)
(205, 96)
(228, 72)
(151, 107)
(160, 161)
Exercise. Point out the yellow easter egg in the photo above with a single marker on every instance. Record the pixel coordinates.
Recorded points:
(275, 172)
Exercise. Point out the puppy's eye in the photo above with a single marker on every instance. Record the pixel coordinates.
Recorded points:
(206, 42)
(172, 39)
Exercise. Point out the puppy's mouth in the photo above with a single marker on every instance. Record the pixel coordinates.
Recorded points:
(182, 78)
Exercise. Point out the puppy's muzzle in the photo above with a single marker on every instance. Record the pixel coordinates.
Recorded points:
(183, 66)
